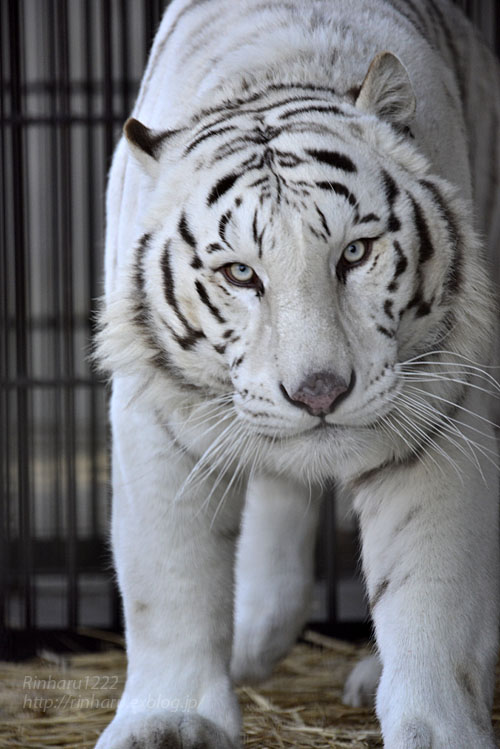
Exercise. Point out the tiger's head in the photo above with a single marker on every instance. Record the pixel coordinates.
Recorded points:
(297, 253)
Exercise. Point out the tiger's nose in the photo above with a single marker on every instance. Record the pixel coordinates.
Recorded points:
(321, 392)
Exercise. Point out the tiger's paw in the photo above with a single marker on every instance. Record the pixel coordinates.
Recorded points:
(361, 685)
(256, 651)
(419, 733)
(410, 735)
(164, 731)
(260, 642)
(266, 630)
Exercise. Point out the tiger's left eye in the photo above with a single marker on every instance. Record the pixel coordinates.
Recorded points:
(240, 274)
(356, 251)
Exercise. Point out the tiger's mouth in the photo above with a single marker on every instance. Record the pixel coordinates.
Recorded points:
(320, 430)
(325, 427)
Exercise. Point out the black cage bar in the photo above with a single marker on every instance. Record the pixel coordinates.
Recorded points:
(69, 72)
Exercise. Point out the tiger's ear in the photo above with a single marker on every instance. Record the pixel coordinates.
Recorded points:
(146, 145)
(386, 90)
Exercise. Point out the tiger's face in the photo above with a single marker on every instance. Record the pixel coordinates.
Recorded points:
(291, 265)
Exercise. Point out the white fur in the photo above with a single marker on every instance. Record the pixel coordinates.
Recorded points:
(274, 584)
(197, 409)
(361, 685)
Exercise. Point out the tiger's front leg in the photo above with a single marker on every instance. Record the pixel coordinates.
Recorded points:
(174, 561)
(430, 557)
(274, 573)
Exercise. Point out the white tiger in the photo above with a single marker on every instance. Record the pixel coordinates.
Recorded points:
(295, 291)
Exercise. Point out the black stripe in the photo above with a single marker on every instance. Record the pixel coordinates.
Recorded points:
(312, 108)
(388, 308)
(401, 262)
(423, 308)
(339, 189)
(255, 233)
(237, 144)
(210, 134)
(234, 109)
(317, 234)
(202, 293)
(142, 315)
(417, 299)
(188, 237)
(286, 159)
(310, 86)
(426, 248)
(425, 252)
(214, 247)
(384, 331)
(192, 335)
(223, 222)
(333, 158)
(454, 278)
(237, 362)
(311, 128)
(391, 192)
(260, 181)
(369, 217)
(185, 231)
(228, 110)
(390, 188)
(257, 238)
(241, 143)
(324, 222)
(401, 266)
(394, 223)
(221, 187)
(141, 312)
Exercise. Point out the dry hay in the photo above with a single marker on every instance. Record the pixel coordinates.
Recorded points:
(66, 701)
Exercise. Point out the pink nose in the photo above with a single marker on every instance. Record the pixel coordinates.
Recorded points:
(320, 392)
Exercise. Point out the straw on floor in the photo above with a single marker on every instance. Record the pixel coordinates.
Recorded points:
(66, 701)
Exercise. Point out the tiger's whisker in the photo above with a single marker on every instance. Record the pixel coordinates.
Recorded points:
(446, 429)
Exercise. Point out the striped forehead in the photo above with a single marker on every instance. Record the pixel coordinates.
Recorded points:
(285, 152)
(260, 119)
(279, 163)
(277, 102)
(302, 175)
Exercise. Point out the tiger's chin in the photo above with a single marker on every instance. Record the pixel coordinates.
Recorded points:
(324, 450)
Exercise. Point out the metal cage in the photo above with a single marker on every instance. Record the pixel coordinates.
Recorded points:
(69, 71)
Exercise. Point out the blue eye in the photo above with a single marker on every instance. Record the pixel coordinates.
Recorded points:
(241, 274)
(355, 251)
